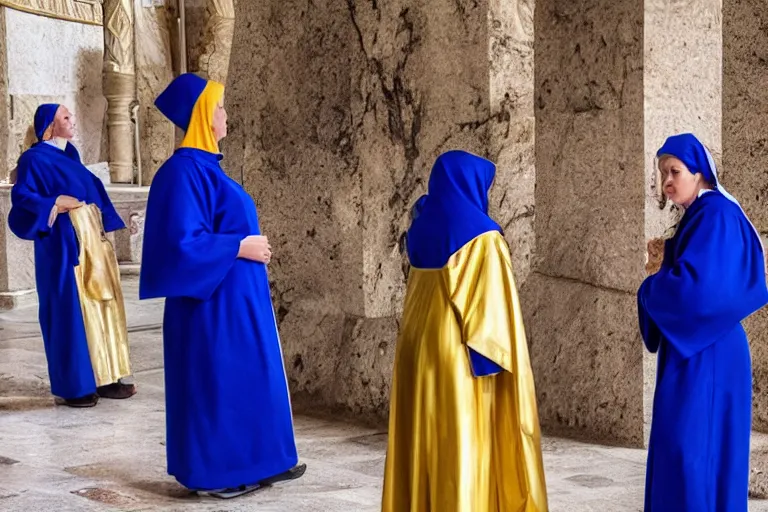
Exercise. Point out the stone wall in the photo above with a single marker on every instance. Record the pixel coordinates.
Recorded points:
(51, 60)
(745, 152)
(683, 93)
(154, 71)
(580, 299)
(337, 112)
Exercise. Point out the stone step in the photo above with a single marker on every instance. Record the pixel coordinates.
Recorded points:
(130, 269)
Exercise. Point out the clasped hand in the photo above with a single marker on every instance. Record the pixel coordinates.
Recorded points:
(63, 204)
(255, 248)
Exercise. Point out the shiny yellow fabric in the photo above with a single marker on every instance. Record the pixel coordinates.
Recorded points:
(199, 133)
(101, 297)
(459, 443)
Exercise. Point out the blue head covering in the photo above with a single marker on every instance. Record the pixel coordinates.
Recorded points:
(178, 100)
(454, 211)
(44, 117)
(697, 158)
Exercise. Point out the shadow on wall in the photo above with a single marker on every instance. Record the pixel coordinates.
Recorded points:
(90, 107)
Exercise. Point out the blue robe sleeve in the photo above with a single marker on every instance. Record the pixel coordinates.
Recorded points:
(648, 329)
(716, 280)
(110, 218)
(182, 254)
(30, 210)
(482, 366)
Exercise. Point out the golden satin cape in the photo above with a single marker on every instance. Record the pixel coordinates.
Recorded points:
(459, 443)
(101, 297)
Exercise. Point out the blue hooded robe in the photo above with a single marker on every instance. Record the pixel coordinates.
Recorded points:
(228, 412)
(454, 211)
(45, 172)
(712, 277)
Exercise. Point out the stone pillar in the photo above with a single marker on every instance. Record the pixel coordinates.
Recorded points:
(683, 93)
(745, 151)
(154, 70)
(337, 114)
(511, 126)
(119, 86)
(17, 262)
(606, 100)
(745, 175)
(5, 117)
(217, 40)
(580, 298)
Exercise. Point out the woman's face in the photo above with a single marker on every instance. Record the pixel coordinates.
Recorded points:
(219, 122)
(63, 124)
(679, 184)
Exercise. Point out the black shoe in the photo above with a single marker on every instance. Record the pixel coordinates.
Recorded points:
(83, 401)
(292, 474)
(234, 492)
(117, 391)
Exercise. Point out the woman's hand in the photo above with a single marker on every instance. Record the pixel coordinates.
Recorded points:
(66, 203)
(654, 255)
(255, 248)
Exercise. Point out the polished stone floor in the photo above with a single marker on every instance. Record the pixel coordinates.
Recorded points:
(112, 457)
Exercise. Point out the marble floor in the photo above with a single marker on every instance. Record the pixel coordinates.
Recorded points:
(112, 457)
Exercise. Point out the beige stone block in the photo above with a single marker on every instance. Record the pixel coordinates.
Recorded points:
(745, 106)
(131, 204)
(589, 140)
(154, 71)
(745, 152)
(17, 261)
(587, 358)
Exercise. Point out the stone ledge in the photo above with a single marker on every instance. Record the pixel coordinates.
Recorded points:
(18, 299)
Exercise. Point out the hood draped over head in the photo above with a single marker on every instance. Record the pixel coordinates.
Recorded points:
(697, 158)
(44, 116)
(454, 211)
(189, 102)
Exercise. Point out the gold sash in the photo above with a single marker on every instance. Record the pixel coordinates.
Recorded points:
(101, 297)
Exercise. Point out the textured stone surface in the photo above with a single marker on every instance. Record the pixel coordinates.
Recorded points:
(683, 84)
(131, 204)
(17, 264)
(56, 458)
(745, 150)
(586, 354)
(580, 300)
(154, 71)
(589, 140)
(337, 112)
(511, 126)
(69, 75)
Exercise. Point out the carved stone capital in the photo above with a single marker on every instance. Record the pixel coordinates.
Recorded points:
(81, 11)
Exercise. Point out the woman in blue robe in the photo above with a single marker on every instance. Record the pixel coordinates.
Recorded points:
(50, 181)
(228, 413)
(712, 277)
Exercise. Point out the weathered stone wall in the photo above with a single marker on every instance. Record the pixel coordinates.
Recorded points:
(580, 298)
(745, 153)
(337, 112)
(154, 71)
(683, 84)
(51, 60)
